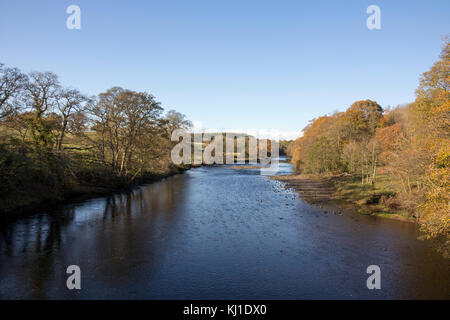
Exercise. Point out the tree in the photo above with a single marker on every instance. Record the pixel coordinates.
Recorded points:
(431, 116)
(363, 118)
(41, 92)
(360, 122)
(70, 103)
(122, 118)
(174, 120)
(12, 82)
(115, 139)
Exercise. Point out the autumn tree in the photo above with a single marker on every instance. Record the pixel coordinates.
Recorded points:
(431, 116)
(341, 142)
(363, 117)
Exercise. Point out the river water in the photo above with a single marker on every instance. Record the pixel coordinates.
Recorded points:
(214, 233)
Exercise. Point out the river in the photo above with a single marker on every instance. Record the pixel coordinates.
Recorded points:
(214, 233)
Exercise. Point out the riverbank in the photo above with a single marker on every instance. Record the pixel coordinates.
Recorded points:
(344, 192)
(82, 192)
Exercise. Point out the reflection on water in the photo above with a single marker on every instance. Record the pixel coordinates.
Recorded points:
(214, 233)
(33, 249)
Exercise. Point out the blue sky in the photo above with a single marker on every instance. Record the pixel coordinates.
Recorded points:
(239, 64)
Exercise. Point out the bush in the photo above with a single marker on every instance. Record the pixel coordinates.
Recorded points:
(390, 202)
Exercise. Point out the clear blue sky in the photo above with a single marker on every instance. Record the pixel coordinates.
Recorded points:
(232, 63)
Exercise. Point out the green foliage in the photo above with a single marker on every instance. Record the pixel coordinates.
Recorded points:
(322, 156)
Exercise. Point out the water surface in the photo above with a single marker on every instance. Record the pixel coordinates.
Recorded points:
(214, 233)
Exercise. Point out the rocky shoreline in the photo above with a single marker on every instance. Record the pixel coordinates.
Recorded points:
(322, 192)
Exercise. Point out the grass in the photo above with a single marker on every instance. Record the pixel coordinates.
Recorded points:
(350, 187)
(367, 196)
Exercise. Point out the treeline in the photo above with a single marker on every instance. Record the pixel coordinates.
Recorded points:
(410, 144)
(56, 141)
(243, 147)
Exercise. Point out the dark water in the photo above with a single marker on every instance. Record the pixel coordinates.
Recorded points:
(214, 233)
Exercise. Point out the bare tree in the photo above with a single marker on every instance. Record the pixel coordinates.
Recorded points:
(12, 82)
(41, 96)
(176, 120)
(70, 103)
(122, 117)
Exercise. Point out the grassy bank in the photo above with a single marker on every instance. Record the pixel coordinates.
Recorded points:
(378, 198)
